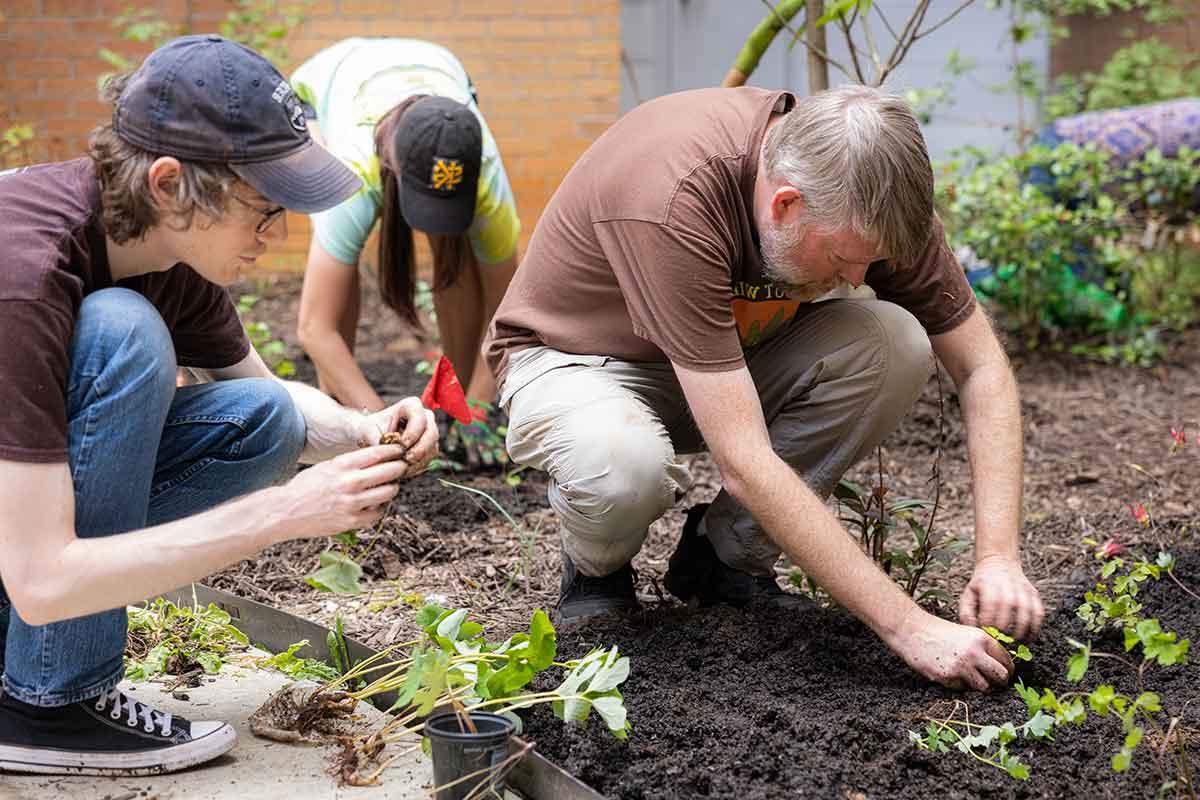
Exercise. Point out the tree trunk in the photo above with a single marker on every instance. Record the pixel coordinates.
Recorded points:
(818, 67)
(760, 39)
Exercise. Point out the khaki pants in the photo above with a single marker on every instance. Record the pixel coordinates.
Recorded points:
(833, 383)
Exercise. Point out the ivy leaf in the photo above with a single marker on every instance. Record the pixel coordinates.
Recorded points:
(337, 573)
(1078, 663)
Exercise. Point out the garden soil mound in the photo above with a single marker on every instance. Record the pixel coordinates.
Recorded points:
(764, 704)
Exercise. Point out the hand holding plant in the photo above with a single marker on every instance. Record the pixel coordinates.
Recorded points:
(999, 595)
(953, 655)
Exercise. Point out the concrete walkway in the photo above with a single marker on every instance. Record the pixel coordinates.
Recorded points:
(255, 768)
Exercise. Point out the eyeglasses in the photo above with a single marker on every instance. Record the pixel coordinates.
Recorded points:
(269, 215)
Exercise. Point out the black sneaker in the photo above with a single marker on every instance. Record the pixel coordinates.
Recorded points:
(581, 596)
(695, 573)
(110, 735)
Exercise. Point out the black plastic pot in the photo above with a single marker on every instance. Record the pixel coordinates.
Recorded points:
(458, 753)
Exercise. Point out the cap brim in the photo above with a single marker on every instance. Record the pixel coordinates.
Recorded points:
(441, 216)
(311, 179)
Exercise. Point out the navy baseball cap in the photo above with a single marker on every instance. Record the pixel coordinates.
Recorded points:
(442, 145)
(207, 99)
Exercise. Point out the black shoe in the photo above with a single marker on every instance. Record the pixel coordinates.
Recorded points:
(581, 596)
(695, 573)
(110, 735)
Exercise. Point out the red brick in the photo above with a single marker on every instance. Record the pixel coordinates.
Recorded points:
(38, 28)
(491, 8)
(518, 29)
(570, 29)
(22, 8)
(449, 30)
(12, 89)
(41, 68)
(15, 51)
(546, 8)
(68, 8)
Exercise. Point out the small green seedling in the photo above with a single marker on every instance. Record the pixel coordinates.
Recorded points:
(1021, 653)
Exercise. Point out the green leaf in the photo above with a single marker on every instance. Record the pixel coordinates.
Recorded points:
(1039, 726)
(211, 662)
(1146, 701)
(1022, 653)
(1101, 698)
(612, 710)
(1077, 664)
(1165, 560)
(337, 573)
(1133, 738)
(996, 634)
(1031, 697)
(1120, 761)
(543, 642)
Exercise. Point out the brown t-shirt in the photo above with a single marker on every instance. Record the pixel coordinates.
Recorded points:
(648, 250)
(52, 254)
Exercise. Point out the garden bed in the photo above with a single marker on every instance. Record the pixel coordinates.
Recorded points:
(1097, 442)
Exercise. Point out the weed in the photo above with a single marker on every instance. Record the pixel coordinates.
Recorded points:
(167, 639)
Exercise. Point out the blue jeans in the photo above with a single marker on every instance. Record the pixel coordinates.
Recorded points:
(141, 453)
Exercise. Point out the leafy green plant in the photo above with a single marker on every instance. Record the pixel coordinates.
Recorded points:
(299, 667)
(141, 25)
(875, 519)
(264, 25)
(14, 145)
(1138, 712)
(1068, 248)
(1145, 71)
(1020, 654)
(268, 346)
(168, 639)
(336, 572)
(453, 665)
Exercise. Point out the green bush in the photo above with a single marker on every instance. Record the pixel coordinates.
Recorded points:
(1086, 255)
(1142, 72)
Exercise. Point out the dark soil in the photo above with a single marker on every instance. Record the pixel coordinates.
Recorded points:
(756, 705)
(765, 704)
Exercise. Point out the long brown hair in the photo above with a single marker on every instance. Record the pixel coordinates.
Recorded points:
(397, 253)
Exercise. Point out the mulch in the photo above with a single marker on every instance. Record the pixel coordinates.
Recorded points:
(1097, 440)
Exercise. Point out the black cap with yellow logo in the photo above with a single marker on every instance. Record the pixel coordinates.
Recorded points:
(441, 143)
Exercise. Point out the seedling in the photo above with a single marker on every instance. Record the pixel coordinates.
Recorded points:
(1021, 653)
(1104, 607)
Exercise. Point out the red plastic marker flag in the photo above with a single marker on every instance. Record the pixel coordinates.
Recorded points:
(445, 392)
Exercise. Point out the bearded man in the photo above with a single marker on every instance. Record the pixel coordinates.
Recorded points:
(676, 297)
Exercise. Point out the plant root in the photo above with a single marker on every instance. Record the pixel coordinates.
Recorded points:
(299, 713)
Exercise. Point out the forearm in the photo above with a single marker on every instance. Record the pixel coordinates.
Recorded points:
(340, 372)
(89, 575)
(805, 529)
(992, 413)
(332, 429)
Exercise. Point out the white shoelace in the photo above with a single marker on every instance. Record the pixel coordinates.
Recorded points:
(149, 716)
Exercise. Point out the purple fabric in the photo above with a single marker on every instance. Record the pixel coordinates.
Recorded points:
(1127, 133)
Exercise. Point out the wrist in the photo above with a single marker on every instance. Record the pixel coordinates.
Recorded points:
(900, 630)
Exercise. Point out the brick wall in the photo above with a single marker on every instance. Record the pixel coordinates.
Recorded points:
(547, 72)
(1094, 39)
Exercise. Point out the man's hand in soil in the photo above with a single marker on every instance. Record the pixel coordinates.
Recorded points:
(1001, 596)
(417, 428)
(953, 655)
(347, 492)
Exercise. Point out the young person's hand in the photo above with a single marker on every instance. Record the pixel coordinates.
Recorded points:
(416, 426)
(348, 491)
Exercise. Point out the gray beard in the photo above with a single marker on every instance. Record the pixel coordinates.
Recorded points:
(775, 247)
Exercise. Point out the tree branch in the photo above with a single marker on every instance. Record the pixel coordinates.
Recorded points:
(953, 14)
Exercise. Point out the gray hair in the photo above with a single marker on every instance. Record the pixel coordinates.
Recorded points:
(857, 156)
